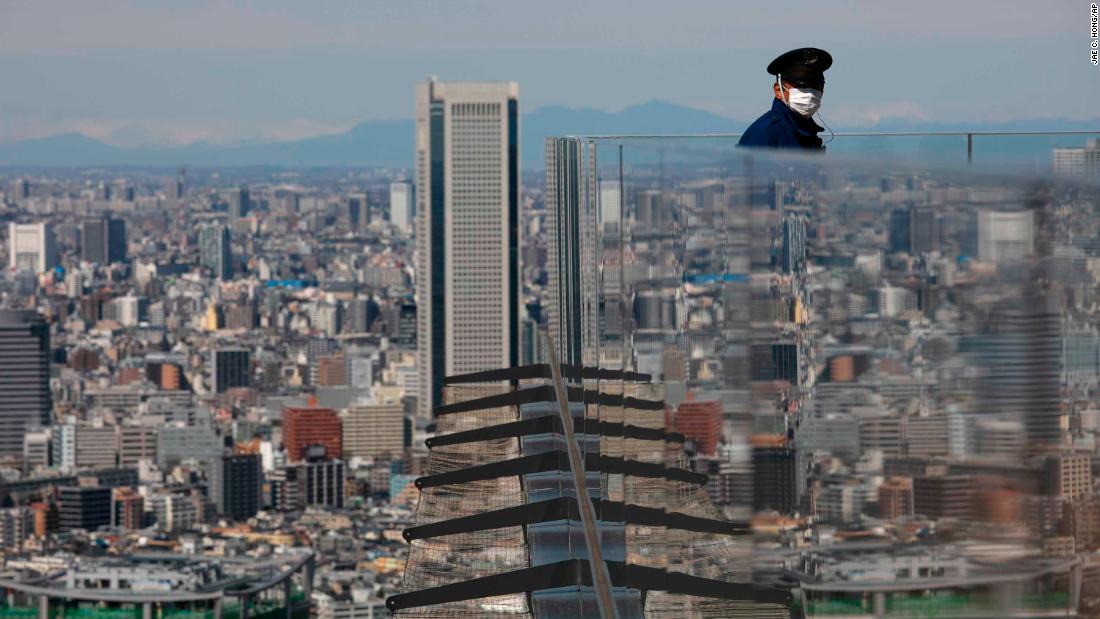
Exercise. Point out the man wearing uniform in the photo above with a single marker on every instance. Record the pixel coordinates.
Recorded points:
(799, 82)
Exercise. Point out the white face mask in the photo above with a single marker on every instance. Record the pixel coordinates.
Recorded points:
(803, 101)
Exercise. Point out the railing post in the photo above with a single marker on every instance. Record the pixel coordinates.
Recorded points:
(969, 148)
(601, 579)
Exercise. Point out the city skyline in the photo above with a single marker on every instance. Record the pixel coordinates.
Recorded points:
(167, 73)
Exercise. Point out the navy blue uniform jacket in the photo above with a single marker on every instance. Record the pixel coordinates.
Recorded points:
(779, 127)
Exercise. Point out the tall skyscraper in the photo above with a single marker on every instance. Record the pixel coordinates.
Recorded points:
(235, 484)
(467, 187)
(238, 203)
(20, 189)
(24, 377)
(402, 209)
(232, 367)
(104, 240)
(358, 211)
(215, 242)
(922, 230)
(794, 244)
(32, 247)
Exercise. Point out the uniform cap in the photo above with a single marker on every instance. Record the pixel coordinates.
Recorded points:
(804, 62)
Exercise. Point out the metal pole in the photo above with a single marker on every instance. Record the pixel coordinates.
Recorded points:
(601, 579)
(969, 148)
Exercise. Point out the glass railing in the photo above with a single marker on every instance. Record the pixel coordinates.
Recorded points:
(897, 344)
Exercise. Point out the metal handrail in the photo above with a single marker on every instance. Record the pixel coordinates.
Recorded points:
(844, 134)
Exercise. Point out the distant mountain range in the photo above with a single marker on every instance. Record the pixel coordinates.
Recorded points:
(390, 142)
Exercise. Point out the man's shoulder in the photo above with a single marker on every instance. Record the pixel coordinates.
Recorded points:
(761, 131)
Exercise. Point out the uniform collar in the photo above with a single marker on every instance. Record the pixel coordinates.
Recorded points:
(801, 124)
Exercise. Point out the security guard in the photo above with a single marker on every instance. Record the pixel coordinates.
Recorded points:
(799, 82)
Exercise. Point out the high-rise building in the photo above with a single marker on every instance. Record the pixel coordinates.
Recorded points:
(793, 257)
(238, 203)
(610, 198)
(20, 189)
(374, 431)
(231, 367)
(358, 211)
(307, 427)
(402, 209)
(321, 480)
(31, 247)
(235, 485)
(467, 188)
(922, 230)
(84, 507)
(1005, 236)
(1078, 162)
(103, 240)
(24, 377)
(774, 479)
(215, 243)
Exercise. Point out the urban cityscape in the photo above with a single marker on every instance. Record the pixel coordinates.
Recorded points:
(860, 384)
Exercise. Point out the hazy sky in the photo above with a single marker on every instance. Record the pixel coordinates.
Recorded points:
(167, 71)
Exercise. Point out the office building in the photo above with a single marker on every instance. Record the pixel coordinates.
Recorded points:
(374, 431)
(16, 527)
(1078, 162)
(238, 204)
(610, 202)
(31, 247)
(215, 245)
(943, 496)
(774, 483)
(231, 367)
(1069, 475)
(1005, 236)
(25, 400)
(308, 427)
(36, 449)
(702, 423)
(793, 252)
(895, 498)
(103, 240)
(136, 443)
(358, 210)
(467, 188)
(922, 230)
(234, 485)
(20, 189)
(175, 512)
(320, 480)
(96, 447)
(402, 205)
(127, 508)
(84, 507)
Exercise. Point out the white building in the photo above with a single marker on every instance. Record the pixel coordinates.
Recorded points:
(1005, 236)
(467, 192)
(32, 247)
(402, 205)
(1079, 162)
